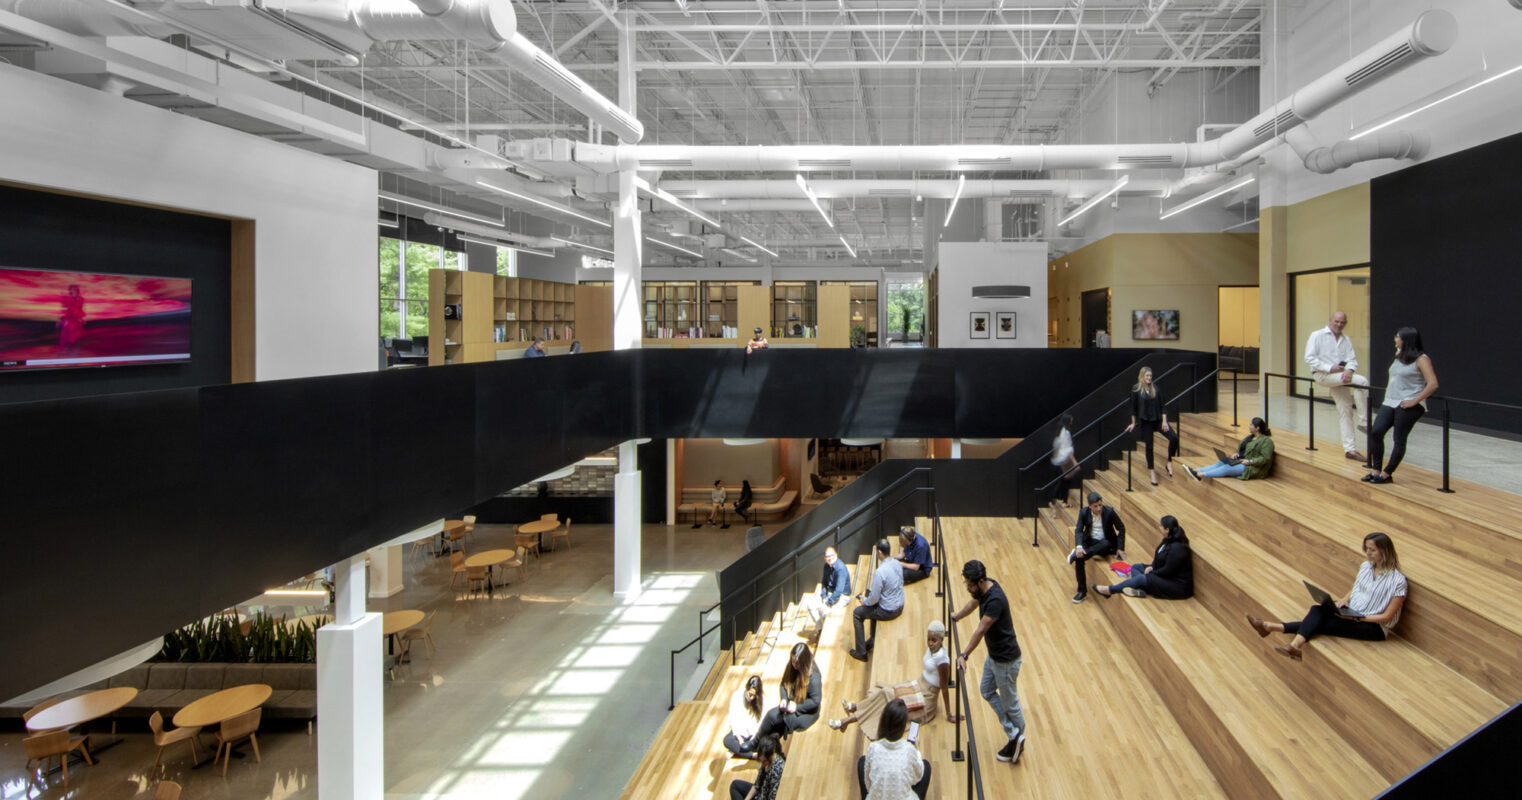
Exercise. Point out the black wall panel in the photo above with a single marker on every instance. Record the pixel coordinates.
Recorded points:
(1445, 250)
(42, 230)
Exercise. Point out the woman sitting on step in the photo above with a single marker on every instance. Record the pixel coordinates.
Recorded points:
(1171, 574)
(918, 695)
(768, 777)
(892, 767)
(1254, 457)
(800, 692)
(1369, 612)
(744, 719)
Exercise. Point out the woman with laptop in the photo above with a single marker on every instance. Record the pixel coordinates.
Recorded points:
(1369, 612)
(1254, 457)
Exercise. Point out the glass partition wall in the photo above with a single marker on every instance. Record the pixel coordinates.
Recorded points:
(1317, 295)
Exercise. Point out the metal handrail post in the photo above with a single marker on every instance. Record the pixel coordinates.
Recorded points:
(1368, 432)
(1445, 489)
(1263, 389)
(1128, 471)
(672, 694)
(1234, 399)
(1310, 411)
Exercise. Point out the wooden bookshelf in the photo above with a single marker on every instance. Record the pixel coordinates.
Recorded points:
(497, 313)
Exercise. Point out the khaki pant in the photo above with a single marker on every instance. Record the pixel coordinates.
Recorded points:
(1351, 402)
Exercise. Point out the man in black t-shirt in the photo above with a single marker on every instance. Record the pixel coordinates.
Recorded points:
(1002, 666)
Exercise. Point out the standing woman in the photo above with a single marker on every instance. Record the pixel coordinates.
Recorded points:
(800, 692)
(1149, 416)
(1411, 382)
(1369, 612)
(1066, 462)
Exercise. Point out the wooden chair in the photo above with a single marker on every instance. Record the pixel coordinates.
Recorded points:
(549, 517)
(563, 532)
(456, 540)
(528, 541)
(423, 633)
(44, 747)
(470, 527)
(164, 738)
(168, 790)
(235, 729)
(456, 567)
(421, 546)
(32, 712)
(475, 576)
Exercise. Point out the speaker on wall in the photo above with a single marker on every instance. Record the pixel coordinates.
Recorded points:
(452, 311)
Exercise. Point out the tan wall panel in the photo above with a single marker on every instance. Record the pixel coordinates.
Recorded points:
(707, 460)
(242, 317)
(754, 310)
(1329, 231)
(834, 316)
(594, 317)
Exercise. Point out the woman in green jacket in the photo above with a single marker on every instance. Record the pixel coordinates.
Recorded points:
(1254, 458)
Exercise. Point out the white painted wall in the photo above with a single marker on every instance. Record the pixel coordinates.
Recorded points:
(316, 278)
(963, 265)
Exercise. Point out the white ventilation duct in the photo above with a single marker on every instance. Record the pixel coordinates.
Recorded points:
(84, 18)
(787, 190)
(1346, 153)
(1430, 34)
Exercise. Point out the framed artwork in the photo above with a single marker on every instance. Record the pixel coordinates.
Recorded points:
(1154, 324)
(978, 325)
(1004, 325)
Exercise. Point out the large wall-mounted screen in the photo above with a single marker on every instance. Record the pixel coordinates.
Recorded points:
(52, 319)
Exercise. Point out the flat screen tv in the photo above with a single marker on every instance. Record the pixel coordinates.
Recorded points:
(1154, 324)
(51, 319)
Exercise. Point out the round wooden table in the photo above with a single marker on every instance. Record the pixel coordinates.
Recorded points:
(541, 527)
(490, 559)
(81, 709)
(226, 704)
(394, 622)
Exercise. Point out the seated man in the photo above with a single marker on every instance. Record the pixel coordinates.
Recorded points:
(915, 559)
(885, 601)
(535, 350)
(1099, 532)
(716, 499)
(834, 586)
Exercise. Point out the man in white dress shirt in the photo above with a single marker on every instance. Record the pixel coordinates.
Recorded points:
(1334, 365)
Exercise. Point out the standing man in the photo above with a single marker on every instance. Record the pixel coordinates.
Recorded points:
(834, 584)
(884, 602)
(1099, 532)
(915, 560)
(1333, 364)
(1002, 665)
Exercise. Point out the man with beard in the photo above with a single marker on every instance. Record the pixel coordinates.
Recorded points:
(1002, 665)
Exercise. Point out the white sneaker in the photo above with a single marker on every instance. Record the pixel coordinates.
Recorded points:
(1072, 554)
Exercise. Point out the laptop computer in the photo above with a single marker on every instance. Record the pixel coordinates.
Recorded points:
(1325, 600)
(1229, 459)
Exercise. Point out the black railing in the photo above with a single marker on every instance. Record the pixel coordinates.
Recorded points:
(1447, 422)
(959, 681)
(696, 640)
(1473, 766)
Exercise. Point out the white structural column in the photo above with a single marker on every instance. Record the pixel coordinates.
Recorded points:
(350, 707)
(385, 570)
(628, 327)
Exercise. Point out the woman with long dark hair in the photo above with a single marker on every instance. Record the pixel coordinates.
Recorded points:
(892, 766)
(1254, 458)
(1148, 417)
(745, 718)
(800, 695)
(1411, 382)
(768, 777)
(1369, 612)
(1171, 574)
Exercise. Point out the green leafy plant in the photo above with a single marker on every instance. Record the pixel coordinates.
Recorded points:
(261, 640)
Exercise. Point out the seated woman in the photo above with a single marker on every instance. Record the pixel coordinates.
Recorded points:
(744, 718)
(892, 767)
(1171, 574)
(747, 498)
(1369, 612)
(918, 695)
(768, 778)
(1254, 458)
(800, 690)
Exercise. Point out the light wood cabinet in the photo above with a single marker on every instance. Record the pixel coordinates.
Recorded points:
(497, 313)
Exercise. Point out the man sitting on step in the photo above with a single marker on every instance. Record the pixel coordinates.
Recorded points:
(834, 587)
(884, 602)
(1099, 532)
(915, 560)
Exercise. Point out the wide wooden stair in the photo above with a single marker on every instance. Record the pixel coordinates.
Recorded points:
(1181, 697)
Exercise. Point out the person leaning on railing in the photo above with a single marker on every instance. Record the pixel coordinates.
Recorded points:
(1254, 458)
(1411, 382)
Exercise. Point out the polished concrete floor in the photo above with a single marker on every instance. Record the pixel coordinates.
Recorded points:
(547, 689)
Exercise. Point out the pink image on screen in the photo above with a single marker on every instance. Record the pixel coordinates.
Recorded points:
(51, 319)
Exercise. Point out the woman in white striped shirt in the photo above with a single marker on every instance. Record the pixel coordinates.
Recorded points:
(1369, 612)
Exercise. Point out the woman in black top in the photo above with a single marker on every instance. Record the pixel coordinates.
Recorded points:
(1149, 416)
(746, 499)
(800, 693)
(1171, 574)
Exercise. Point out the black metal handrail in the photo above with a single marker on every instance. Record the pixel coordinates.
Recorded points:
(1310, 397)
(943, 591)
(1122, 404)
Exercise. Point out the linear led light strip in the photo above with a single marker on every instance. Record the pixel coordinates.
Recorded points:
(737, 254)
(505, 246)
(849, 248)
(1095, 200)
(961, 182)
(670, 199)
(1478, 82)
(569, 243)
(804, 185)
(435, 207)
(758, 246)
(1208, 196)
(556, 207)
(677, 247)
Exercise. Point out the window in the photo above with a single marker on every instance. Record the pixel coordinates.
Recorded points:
(1317, 295)
(404, 285)
(906, 310)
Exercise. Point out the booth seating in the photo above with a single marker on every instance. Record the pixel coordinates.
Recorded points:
(167, 687)
(1242, 360)
(771, 502)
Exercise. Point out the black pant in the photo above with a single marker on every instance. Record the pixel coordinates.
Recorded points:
(920, 789)
(1064, 485)
(910, 576)
(733, 744)
(1402, 420)
(873, 613)
(1144, 431)
(781, 724)
(1319, 622)
(1091, 548)
(738, 789)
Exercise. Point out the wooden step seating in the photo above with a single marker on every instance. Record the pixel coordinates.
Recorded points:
(1415, 703)
(1465, 605)
(1097, 725)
